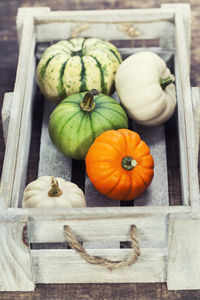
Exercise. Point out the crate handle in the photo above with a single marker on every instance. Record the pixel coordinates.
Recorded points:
(96, 260)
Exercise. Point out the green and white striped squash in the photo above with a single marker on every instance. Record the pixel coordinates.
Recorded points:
(80, 118)
(77, 65)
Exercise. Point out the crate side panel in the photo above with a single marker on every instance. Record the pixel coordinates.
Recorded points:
(66, 266)
(8, 172)
(182, 137)
(106, 30)
(190, 166)
(15, 263)
(5, 113)
(25, 132)
(184, 256)
(108, 16)
(152, 229)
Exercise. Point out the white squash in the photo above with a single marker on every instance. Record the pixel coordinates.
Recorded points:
(47, 191)
(146, 89)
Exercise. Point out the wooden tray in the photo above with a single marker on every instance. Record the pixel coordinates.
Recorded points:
(168, 235)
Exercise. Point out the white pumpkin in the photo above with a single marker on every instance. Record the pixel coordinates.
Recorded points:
(146, 89)
(47, 191)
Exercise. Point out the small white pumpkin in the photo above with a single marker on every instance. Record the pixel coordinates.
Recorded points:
(146, 89)
(47, 191)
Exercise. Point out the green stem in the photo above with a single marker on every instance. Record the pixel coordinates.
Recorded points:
(128, 163)
(88, 103)
(77, 53)
(164, 82)
(55, 191)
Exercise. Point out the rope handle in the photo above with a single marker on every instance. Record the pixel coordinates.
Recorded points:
(96, 260)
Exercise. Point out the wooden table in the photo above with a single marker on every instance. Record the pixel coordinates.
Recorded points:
(9, 54)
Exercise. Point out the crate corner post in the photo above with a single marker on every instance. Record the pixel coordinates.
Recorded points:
(185, 10)
(15, 263)
(183, 270)
(22, 12)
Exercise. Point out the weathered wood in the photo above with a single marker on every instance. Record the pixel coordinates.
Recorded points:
(183, 65)
(107, 30)
(5, 113)
(184, 174)
(57, 266)
(196, 111)
(123, 15)
(93, 213)
(50, 229)
(60, 165)
(21, 15)
(184, 256)
(8, 171)
(25, 129)
(15, 262)
(185, 10)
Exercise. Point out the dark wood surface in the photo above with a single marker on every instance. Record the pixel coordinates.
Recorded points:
(9, 54)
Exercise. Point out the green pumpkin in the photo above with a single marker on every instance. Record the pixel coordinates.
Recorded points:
(77, 65)
(80, 118)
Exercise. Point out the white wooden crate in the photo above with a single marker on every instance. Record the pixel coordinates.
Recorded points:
(169, 246)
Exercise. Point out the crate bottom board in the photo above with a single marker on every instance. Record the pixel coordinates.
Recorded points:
(163, 142)
(52, 162)
(66, 266)
(62, 166)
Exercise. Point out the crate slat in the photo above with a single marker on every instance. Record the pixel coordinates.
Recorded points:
(51, 161)
(196, 110)
(182, 139)
(59, 266)
(106, 31)
(8, 172)
(88, 213)
(5, 113)
(182, 71)
(26, 129)
(137, 15)
(50, 229)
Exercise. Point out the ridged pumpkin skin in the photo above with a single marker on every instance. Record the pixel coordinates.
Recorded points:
(119, 164)
(73, 130)
(77, 65)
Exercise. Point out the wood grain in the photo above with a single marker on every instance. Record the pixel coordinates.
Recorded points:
(15, 262)
(67, 264)
(9, 53)
(183, 269)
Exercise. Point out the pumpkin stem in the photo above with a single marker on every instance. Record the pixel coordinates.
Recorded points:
(164, 82)
(128, 163)
(88, 103)
(55, 191)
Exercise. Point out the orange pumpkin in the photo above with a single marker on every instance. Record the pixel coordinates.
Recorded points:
(119, 164)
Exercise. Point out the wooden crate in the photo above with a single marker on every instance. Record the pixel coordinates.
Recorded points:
(168, 235)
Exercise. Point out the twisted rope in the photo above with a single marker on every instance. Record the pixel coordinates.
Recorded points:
(96, 260)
